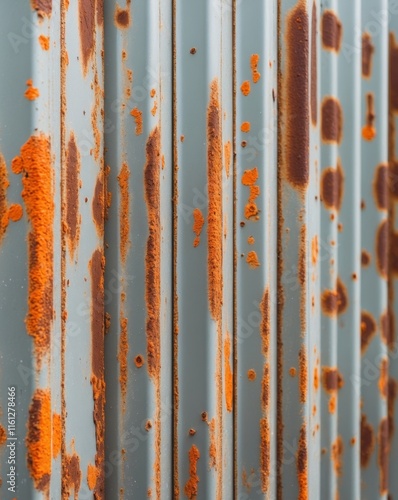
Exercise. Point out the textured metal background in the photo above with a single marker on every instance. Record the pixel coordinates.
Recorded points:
(198, 249)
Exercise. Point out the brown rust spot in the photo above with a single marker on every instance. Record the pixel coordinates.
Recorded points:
(387, 327)
(337, 452)
(302, 465)
(198, 223)
(367, 441)
(215, 213)
(314, 67)
(72, 194)
(122, 17)
(98, 204)
(254, 60)
(367, 55)
(191, 486)
(265, 453)
(329, 302)
(31, 93)
(227, 157)
(368, 330)
(152, 260)
(380, 187)
(296, 97)
(383, 458)
(251, 374)
(332, 379)
(332, 120)
(124, 214)
(139, 361)
(42, 7)
(137, 115)
(382, 248)
(57, 435)
(331, 31)
(383, 379)
(332, 183)
(369, 130)
(228, 374)
(245, 88)
(44, 42)
(303, 373)
(35, 163)
(72, 476)
(365, 258)
(123, 359)
(38, 439)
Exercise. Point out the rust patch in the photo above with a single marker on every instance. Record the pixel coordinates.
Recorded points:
(191, 486)
(245, 88)
(92, 475)
(3, 435)
(335, 301)
(332, 120)
(71, 476)
(42, 7)
(369, 130)
(15, 212)
(367, 441)
(331, 31)
(332, 379)
(31, 93)
(228, 374)
(380, 187)
(387, 328)
(4, 183)
(137, 115)
(124, 217)
(314, 250)
(254, 60)
(367, 55)
(122, 358)
(332, 186)
(215, 214)
(303, 374)
(198, 223)
(38, 439)
(98, 204)
(302, 465)
(365, 258)
(35, 163)
(296, 97)
(249, 179)
(383, 379)
(265, 455)
(384, 451)
(44, 42)
(97, 265)
(368, 330)
(382, 248)
(72, 194)
(122, 17)
(152, 259)
(337, 455)
(314, 67)
(252, 259)
(87, 27)
(227, 157)
(57, 435)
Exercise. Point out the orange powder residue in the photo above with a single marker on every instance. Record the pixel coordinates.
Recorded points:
(252, 259)
(191, 486)
(227, 157)
(251, 240)
(31, 92)
(15, 212)
(254, 59)
(124, 219)
(36, 163)
(154, 108)
(3, 435)
(137, 114)
(212, 445)
(122, 358)
(57, 434)
(245, 127)
(198, 223)
(315, 250)
(250, 177)
(228, 381)
(38, 439)
(44, 42)
(4, 183)
(92, 475)
(245, 87)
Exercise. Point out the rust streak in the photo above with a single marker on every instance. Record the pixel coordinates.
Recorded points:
(302, 465)
(367, 55)
(124, 217)
(191, 486)
(314, 67)
(367, 441)
(72, 194)
(4, 183)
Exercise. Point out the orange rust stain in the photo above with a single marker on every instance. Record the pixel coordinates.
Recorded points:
(337, 452)
(139, 361)
(292, 371)
(254, 60)
(302, 465)
(212, 445)
(154, 108)
(3, 435)
(251, 240)
(198, 223)
(315, 249)
(122, 358)
(265, 454)
(153, 93)
(252, 259)
(332, 404)
(152, 259)
(250, 177)
(227, 157)
(124, 217)
(31, 92)
(383, 379)
(92, 475)
(367, 441)
(122, 17)
(245, 87)
(314, 67)
(4, 183)
(42, 7)
(251, 374)
(57, 435)
(191, 486)
(316, 378)
(303, 374)
(44, 42)
(38, 439)
(15, 212)
(383, 455)
(228, 374)
(368, 330)
(245, 127)
(35, 163)
(369, 130)
(72, 194)
(137, 115)
(215, 212)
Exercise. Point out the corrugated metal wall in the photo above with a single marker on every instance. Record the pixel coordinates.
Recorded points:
(198, 249)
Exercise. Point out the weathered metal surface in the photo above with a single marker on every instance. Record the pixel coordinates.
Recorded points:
(198, 249)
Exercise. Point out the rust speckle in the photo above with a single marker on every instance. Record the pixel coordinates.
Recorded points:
(331, 31)
(365, 258)
(337, 452)
(254, 60)
(367, 441)
(369, 130)
(332, 183)
(31, 92)
(332, 380)
(71, 476)
(332, 120)
(227, 157)
(124, 217)
(87, 26)
(380, 187)
(303, 373)
(302, 465)
(42, 7)
(72, 194)
(215, 213)
(198, 223)
(36, 164)
(384, 451)
(57, 435)
(368, 330)
(44, 42)
(251, 374)
(387, 328)
(38, 439)
(122, 358)
(228, 374)
(191, 486)
(252, 259)
(367, 55)
(122, 17)
(137, 115)
(382, 249)
(296, 97)
(314, 67)
(245, 88)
